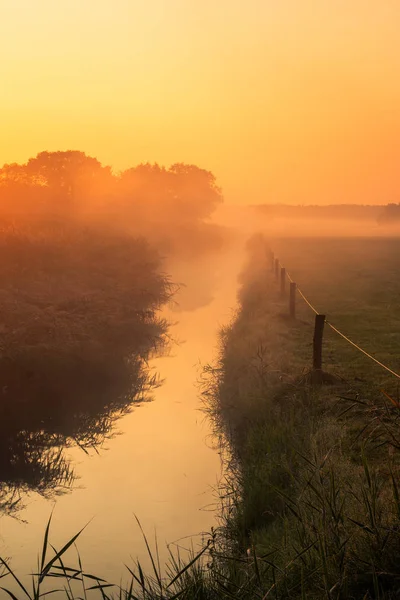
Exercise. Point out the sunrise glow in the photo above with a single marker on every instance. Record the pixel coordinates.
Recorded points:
(284, 101)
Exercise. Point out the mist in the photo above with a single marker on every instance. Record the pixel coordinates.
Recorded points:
(117, 290)
(199, 300)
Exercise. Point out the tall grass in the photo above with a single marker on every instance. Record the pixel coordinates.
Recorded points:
(315, 500)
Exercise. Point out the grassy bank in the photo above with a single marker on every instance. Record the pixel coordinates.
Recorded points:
(316, 507)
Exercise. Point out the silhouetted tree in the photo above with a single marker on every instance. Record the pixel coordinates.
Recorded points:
(195, 190)
(169, 206)
(390, 215)
(68, 173)
(182, 192)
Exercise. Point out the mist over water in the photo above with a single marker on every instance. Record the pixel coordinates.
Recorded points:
(116, 304)
(162, 468)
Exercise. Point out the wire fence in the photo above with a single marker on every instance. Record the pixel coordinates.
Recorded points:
(335, 329)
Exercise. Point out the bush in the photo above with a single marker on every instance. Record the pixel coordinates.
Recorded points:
(79, 312)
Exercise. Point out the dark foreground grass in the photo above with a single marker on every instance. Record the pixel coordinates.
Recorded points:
(311, 504)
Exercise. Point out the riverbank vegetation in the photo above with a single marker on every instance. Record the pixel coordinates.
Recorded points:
(79, 319)
(311, 503)
(316, 509)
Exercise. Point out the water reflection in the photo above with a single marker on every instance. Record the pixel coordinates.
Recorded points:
(39, 422)
(52, 402)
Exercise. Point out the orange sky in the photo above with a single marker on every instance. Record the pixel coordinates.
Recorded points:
(284, 100)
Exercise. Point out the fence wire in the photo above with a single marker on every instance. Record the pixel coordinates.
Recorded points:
(378, 362)
(307, 302)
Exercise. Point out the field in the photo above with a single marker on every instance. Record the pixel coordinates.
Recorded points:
(356, 283)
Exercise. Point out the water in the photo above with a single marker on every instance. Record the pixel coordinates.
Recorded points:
(162, 467)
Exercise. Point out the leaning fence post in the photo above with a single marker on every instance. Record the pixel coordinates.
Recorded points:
(292, 300)
(317, 342)
(277, 269)
(283, 281)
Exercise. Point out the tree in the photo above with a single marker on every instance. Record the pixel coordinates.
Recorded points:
(390, 215)
(182, 192)
(69, 173)
(195, 190)
(21, 192)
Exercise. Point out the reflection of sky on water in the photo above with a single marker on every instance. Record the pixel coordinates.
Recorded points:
(161, 468)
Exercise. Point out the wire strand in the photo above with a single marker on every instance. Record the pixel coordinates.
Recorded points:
(378, 362)
(307, 302)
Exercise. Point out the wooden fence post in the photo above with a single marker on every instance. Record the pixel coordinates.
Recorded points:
(292, 301)
(277, 269)
(317, 342)
(283, 281)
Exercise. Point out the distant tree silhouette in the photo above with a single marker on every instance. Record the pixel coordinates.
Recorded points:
(147, 191)
(68, 173)
(182, 191)
(51, 182)
(390, 215)
(350, 212)
(21, 193)
(169, 206)
(196, 190)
